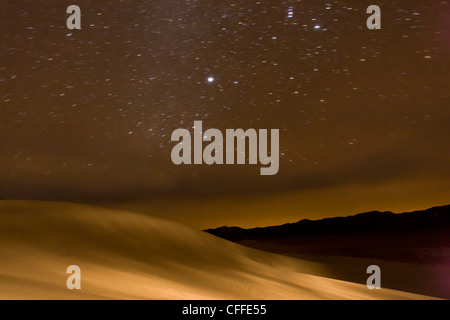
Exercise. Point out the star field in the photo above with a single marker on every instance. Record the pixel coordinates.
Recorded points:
(88, 114)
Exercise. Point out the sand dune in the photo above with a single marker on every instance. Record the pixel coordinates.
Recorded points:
(125, 255)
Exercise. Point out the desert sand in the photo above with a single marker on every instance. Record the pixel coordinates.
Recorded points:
(124, 255)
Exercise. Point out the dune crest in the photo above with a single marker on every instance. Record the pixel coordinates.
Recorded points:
(124, 255)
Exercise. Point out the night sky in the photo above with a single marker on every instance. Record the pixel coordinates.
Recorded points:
(87, 115)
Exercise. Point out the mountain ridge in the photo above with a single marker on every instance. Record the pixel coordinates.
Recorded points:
(436, 217)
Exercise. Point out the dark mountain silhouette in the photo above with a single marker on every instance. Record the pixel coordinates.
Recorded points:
(419, 237)
(436, 218)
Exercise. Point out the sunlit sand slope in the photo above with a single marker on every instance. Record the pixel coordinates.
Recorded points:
(125, 255)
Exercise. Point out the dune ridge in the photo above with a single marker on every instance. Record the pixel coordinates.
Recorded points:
(124, 255)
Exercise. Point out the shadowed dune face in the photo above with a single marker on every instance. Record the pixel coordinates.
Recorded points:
(125, 255)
